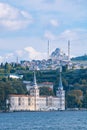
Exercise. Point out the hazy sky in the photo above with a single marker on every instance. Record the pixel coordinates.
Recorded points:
(26, 26)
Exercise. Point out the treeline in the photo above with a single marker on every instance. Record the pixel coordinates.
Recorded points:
(10, 87)
(80, 58)
(74, 82)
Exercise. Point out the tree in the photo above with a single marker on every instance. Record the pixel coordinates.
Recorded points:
(85, 101)
(70, 101)
(74, 98)
(46, 91)
(77, 93)
(65, 68)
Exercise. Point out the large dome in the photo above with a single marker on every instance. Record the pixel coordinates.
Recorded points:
(58, 54)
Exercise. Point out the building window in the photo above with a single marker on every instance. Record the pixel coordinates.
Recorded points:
(28, 101)
(19, 101)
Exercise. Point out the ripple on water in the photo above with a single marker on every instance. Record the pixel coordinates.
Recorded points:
(67, 120)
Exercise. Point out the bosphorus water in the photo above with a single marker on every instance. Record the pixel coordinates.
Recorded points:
(57, 120)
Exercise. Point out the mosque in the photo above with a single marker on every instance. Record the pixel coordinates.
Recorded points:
(35, 102)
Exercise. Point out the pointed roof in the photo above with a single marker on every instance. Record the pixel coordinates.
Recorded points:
(34, 82)
(60, 80)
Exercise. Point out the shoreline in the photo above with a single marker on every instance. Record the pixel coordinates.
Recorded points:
(71, 109)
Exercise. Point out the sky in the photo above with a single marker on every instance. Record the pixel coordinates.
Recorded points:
(27, 25)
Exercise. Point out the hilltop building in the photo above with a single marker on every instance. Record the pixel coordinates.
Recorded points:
(35, 102)
(53, 61)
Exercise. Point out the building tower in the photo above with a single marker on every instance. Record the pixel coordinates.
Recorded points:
(34, 91)
(60, 93)
(34, 82)
(60, 80)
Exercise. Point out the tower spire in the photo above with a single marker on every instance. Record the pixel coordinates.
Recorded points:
(60, 80)
(35, 83)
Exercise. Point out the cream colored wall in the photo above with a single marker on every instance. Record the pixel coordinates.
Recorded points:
(24, 103)
(33, 103)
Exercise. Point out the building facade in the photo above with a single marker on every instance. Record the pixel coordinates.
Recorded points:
(35, 102)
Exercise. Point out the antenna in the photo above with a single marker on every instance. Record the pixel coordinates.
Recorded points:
(68, 50)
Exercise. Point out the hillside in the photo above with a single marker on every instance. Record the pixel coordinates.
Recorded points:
(74, 82)
(80, 58)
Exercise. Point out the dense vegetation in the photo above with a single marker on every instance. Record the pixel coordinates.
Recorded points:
(74, 82)
(80, 58)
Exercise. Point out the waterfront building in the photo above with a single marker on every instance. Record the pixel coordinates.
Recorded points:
(35, 102)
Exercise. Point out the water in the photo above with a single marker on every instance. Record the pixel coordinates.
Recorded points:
(66, 120)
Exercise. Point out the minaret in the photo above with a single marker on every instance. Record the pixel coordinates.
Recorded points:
(17, 60)
(68, 50)
(48, 50)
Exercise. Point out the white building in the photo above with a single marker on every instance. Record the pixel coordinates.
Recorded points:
(14, 76)
(35, 102)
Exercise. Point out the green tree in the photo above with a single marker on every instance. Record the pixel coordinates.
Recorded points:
(85, 101)
(71, 101)
(46, 91)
